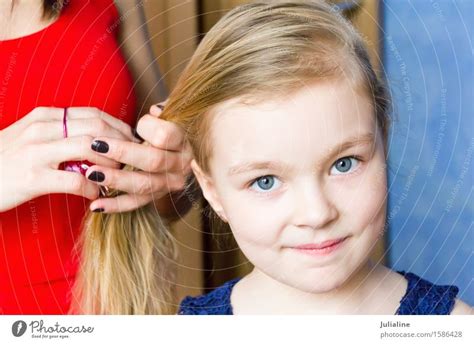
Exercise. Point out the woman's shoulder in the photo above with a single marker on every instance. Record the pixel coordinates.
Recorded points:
(214, 302)
(425, 297)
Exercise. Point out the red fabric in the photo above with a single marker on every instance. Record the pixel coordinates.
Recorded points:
(73, 62)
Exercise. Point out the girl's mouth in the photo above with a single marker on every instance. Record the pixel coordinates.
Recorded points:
(321, 249)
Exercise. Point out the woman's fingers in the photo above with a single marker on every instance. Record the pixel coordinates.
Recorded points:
(95, 127)
(50, 131)
(72, 149)
(160, 133)
(137, 182)
(88, 112)
(56, 181)
(156, 109)
(121, 203)
(52, 114)
(144, 157)
(47, 124)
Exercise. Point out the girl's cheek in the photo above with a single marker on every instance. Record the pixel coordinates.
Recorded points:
(369, 196)
(255, 220)
(372, 197)
(376, 185)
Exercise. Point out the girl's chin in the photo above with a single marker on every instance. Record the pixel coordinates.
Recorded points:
(328, 280)
(317, 284)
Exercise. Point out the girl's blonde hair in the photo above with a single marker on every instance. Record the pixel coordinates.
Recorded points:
(254, 53)
(268, 49)
(125, 264)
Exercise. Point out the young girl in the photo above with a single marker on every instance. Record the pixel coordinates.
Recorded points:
(288, 124)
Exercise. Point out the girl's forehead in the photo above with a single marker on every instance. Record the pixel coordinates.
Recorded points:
(311, 122)
(330, 93)
(332, 107)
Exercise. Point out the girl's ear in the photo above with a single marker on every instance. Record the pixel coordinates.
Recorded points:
(208, 190)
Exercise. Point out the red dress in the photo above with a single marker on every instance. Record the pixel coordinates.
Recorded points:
(75, 61)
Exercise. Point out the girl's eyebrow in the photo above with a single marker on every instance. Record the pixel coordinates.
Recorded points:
(275, 165)
(257, 165)
(351, 142)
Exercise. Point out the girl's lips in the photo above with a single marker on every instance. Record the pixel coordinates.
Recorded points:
(323, 248)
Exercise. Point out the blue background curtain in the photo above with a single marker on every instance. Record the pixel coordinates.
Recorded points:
(427, 59)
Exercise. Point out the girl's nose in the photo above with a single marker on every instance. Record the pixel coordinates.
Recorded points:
(313, 208)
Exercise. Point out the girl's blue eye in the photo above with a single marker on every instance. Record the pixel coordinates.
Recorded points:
(344, 164)
(264, 183)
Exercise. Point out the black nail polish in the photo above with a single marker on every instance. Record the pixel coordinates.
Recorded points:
(135, 134)
(160, 106)
(100, 146)
(97, 176)
(98, 210)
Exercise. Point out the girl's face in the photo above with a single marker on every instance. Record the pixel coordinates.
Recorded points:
(301, 181)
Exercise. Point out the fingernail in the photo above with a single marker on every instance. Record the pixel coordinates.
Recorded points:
(135, 134)
(100, 146)
(97, 176)
(160, 106)
(98, 210)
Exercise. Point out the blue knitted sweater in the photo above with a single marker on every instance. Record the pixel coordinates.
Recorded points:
(421, 297)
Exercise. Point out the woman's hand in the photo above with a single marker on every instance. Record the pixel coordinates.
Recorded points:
(164, 160)
(32, 149)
